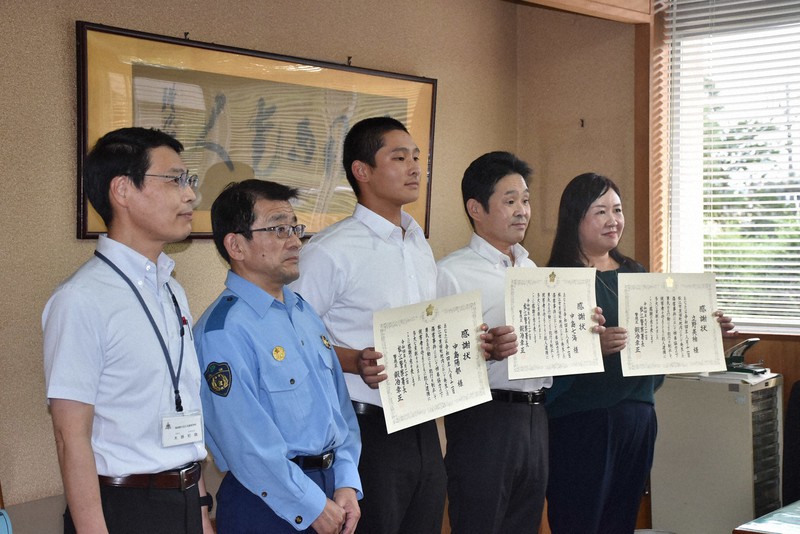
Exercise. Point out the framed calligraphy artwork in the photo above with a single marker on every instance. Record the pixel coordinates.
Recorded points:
(243, 114)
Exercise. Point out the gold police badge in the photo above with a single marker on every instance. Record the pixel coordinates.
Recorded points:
(325, 341)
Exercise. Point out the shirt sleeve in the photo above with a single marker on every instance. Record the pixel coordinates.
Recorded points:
(254, 449)
(319, 280)
(348, 453)
(73, 346)
(446, 283)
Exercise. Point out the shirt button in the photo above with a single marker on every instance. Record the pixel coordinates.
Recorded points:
(264, 494)
(291, 380)
(298, 519)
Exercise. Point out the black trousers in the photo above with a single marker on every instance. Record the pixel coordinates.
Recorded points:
(403, 478)
(496, 468)
(154, 511)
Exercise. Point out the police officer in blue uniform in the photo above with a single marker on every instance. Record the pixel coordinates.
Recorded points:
(277, 413)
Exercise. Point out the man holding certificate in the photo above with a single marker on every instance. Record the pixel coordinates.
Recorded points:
(374, 260)
(497, 451)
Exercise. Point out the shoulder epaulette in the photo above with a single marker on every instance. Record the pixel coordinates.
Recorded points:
(216, 321)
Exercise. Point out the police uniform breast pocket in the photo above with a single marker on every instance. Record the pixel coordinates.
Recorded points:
(285, 376)
(326, 352)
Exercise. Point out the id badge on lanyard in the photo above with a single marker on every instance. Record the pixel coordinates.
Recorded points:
(178, 427)
(181, 428)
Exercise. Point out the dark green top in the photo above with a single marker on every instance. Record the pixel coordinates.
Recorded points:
(580, 393)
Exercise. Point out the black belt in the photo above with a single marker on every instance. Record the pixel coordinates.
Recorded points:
(362, 408)
(183, 478)
(323, 461)
(531, 397)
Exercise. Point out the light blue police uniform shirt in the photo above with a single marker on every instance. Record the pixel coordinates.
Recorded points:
(274, 390)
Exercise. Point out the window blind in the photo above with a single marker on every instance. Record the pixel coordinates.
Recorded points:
(733, 79)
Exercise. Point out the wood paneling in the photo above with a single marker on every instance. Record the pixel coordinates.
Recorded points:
(634, 11)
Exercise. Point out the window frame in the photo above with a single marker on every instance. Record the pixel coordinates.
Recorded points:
(658, 184)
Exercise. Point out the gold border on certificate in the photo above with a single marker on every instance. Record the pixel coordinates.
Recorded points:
(671, 324)
(433, 360)
(551, 311)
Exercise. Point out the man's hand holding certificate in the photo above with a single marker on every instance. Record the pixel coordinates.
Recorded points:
(433, 359)
(670, 320)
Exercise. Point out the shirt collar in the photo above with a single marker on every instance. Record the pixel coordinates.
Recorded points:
(381, 226)
(257, 298)
(135, 265)
(485, 250)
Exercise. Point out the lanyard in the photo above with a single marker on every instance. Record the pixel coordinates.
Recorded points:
(175, 377)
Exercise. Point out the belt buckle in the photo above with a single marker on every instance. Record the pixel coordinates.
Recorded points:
(184, 474)
(535, 397)
(327, 460)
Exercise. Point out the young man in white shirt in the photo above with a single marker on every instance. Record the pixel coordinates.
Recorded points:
(376, 259)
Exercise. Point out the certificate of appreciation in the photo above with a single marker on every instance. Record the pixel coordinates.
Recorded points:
(670, 323)
(433, 359)
(551, 311)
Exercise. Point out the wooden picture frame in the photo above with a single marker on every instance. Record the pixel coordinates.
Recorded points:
(243, 114)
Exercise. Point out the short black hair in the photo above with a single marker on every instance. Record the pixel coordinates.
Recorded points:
(122, 152)
(362, 143)
(233, 211)
(482, 176)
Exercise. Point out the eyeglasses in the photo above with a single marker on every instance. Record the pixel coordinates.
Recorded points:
(182, 180)
(283, 231)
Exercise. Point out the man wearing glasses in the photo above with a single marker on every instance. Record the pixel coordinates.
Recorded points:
(278, 416)
(120, 368)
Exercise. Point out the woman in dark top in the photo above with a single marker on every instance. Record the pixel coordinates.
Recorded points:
(602, 425)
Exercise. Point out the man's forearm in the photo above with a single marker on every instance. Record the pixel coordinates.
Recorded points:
(348, 358)
(82, 489)
(204, 512)
(72, 428)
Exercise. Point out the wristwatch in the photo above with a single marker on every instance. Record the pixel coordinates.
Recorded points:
(207, 500)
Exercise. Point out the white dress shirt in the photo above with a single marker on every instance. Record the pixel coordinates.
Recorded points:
(481, 266)
(360, 265)
(100, 349)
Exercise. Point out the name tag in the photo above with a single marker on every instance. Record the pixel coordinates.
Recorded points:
(181, 428)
